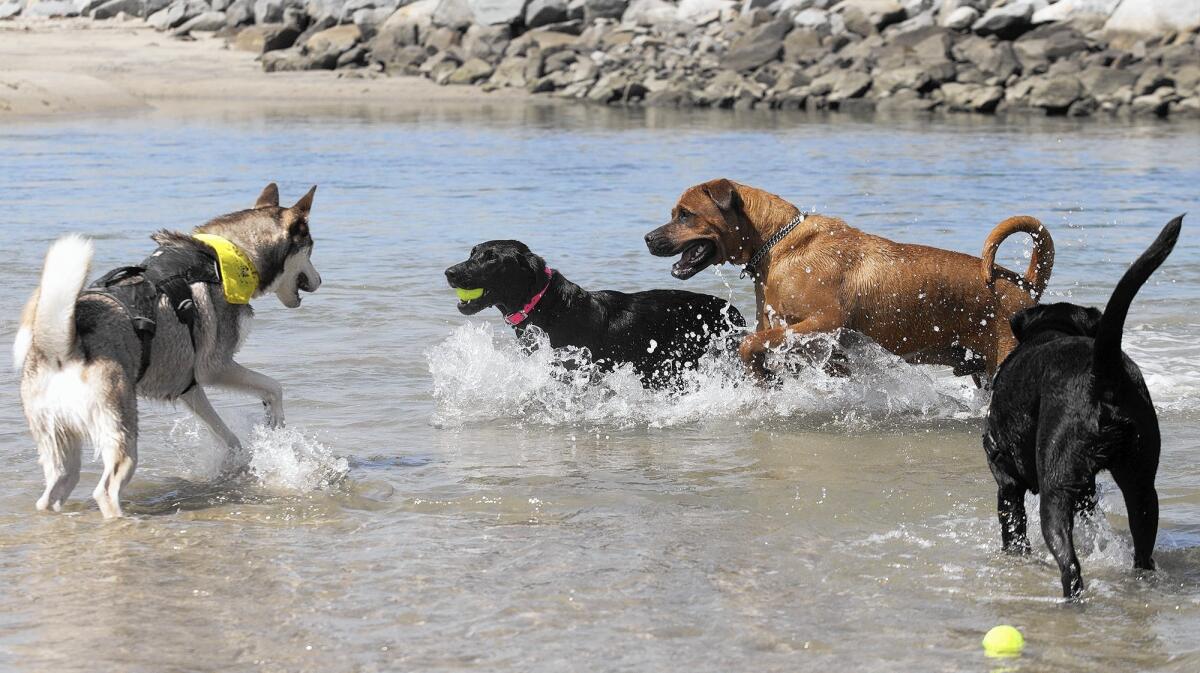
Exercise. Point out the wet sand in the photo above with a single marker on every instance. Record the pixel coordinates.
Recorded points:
(79, 66)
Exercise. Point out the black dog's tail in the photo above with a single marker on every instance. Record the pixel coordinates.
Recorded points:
(1106, 351)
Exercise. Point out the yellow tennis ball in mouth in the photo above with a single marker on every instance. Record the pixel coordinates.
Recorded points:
(467, 295)
(1003, 641)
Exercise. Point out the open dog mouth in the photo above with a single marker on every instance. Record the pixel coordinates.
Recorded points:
(471, 301)
(696, 256)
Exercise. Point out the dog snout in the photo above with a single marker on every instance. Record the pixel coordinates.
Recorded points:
(454, 275)
(659, 243)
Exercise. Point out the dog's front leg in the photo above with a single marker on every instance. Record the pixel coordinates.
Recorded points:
(197, 401)
(753, 350)
(267, 389)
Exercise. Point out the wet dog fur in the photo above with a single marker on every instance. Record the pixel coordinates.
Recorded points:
(925, 304)
(79, 356)
(660, 332)
(1066, 404)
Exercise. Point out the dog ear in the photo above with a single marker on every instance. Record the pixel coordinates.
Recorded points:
(269, 197)
(1020, 322)
(305, 203)
(723, 194)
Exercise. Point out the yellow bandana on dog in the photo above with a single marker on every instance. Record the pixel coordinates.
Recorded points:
(239, 278)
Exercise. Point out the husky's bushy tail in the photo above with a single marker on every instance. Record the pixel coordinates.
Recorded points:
(51, 327)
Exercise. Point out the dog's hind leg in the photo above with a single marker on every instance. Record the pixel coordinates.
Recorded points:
(115, 436)
(1141, 503)
(267, 389)
(59, 454)
(1010, 505)
(1058, 523)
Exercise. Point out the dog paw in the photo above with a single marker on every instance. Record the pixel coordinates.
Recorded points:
(274, 414)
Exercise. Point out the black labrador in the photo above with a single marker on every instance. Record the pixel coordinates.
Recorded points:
(1067, 403)
(661, 332)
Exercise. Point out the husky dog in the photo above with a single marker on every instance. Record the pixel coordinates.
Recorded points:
(162, 330)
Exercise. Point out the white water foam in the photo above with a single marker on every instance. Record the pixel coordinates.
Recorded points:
(282, 459)
(481, 376)
(285, 459)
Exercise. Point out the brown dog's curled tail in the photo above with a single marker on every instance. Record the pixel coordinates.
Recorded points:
(1040, 264)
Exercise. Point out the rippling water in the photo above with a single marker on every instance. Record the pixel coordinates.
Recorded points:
(441, 502)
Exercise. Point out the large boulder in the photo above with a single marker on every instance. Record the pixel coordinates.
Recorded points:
(603, 9)
(406, 26)
(207, 22)
(51, 9)
(1088, 12)
(1154, 17)
(545, 12)
(649, 13)
(264, 38)
(760, 45)
(333, 40)
(114, 7)
(497, 12)
(701, 12)
(1104, 83)
(486, 42)
(454, 14)
(961, 18)
(1007, 21)
(1054, 93)
(11, 9)
(474, 70)
(971, 97)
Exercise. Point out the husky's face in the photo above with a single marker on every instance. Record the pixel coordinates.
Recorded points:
(278, 240)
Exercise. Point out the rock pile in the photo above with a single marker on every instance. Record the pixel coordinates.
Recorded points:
(1056, 58)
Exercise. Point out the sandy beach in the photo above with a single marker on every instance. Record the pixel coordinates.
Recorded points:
(80, 66)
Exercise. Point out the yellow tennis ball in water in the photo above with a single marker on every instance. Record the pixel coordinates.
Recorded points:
(467, 295)
(1003, 641)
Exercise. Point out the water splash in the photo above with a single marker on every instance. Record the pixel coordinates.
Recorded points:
(285, 459)
(480, 376)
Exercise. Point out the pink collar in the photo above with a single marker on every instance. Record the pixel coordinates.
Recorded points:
(521, 316)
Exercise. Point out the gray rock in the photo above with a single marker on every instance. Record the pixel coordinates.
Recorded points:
(335, 41)
(817, 20)
(269, 37)
(616, 87)
(11, 9)
(907, 77)
(545, 12)
(486, 42)
(239, 13)
(1007, 21)
(50, 9)
(497, 12)
(474, 70)
(1188, 108)
(406, 26)
(1064, 43)
(758, 46)
(1054, 93)
(1151, 80)
(905, 100)
(603, 9)
(206, 22)
(649, 13)
(510, 73)
(1153, 17)
(454, 14)
(112, 8)
(369, 20)
(999, 60)
(271, 11)
(1104, 83)
(802, 46)
(1187, 79)
(841, 85)
(1156, 103)
(961, 18)
(971, 97)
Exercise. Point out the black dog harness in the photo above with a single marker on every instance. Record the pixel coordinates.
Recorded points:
(170, 272)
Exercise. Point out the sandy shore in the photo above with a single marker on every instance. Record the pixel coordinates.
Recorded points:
(80, 66)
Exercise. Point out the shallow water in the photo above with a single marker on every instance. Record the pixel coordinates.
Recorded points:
(441, 502)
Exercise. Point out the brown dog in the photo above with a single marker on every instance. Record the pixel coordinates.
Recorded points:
(814, 273)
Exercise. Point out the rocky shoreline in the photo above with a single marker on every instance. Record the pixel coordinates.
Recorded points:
(1071, 57)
